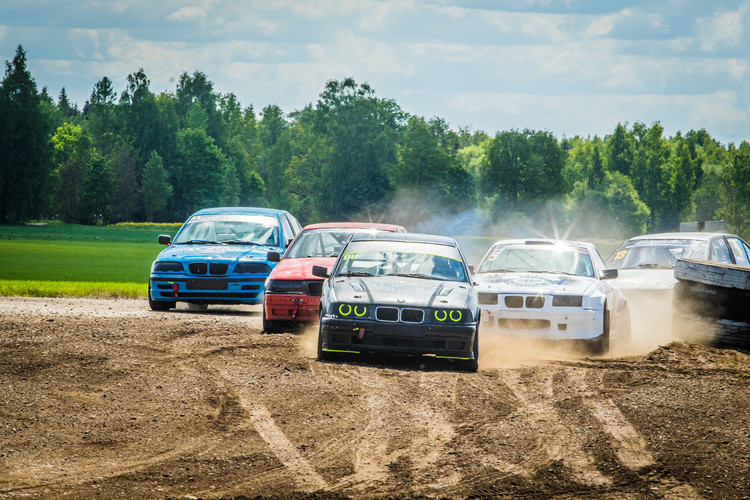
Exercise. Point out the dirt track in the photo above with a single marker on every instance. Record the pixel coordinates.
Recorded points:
(108, 399)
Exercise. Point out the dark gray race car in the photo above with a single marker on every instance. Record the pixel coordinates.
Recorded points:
(391, 293)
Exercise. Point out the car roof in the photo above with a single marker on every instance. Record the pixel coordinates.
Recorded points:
(679, 236)
(356, 225)
(544, 241)
(405, 237)
(239, 210)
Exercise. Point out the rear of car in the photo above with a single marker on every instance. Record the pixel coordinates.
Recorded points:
(220, 256)
(292, 292)
(400, 295)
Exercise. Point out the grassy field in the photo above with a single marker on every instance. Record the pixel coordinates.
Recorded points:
(55, 259)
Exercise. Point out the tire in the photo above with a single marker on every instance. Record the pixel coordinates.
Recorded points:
(270, 326)
(157, 305)
(471, 365)
(323, 355)
(602, 346)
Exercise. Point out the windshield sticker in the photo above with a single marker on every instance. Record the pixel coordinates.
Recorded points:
(620, 254)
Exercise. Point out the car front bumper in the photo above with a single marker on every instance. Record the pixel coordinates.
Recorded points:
(367, 336)
(208, 290)
(570, 324)
(291, 307)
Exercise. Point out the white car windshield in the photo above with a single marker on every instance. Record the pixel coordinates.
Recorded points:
(230, 229)
(538, 258)
(323, 242)
(405, 259)
(656, 254)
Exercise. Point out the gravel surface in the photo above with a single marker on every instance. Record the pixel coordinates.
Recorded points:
(107, 399)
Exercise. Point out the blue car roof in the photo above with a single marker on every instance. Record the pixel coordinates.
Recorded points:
(405, 237)
(239, 210)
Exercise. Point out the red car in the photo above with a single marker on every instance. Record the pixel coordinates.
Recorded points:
(292, 292)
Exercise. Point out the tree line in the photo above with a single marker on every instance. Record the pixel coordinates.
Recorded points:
(141, 156)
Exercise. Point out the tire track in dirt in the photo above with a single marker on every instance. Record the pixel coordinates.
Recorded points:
(630, 447)
(305, 476)
(561, 443)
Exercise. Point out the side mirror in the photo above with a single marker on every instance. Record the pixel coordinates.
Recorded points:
(610, 274)
(273, 256)
(165, 239)
(320, 271)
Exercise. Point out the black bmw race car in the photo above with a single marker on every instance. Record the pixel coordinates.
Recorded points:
(400, 293)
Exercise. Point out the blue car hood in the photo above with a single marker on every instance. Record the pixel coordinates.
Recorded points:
(217, 252)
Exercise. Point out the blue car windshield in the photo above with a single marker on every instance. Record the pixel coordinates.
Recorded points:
(404, 259)
(231, 229)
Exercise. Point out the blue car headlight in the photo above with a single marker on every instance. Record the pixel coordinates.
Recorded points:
(168, 267)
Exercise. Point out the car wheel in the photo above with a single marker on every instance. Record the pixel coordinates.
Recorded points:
(270, 326)
(471, 365)
(602, 346)
(323, 355)
(156, 305)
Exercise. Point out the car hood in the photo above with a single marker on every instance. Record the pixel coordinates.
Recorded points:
(634, 280)
(532, 283)
(300, 269)
(218, 252)
(400, 291)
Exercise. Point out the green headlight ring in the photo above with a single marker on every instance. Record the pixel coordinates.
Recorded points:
(455, 320)
(445, 315)
(341, 309)
(358, 314)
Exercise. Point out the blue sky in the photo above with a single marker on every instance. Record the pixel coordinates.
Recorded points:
(575, 67)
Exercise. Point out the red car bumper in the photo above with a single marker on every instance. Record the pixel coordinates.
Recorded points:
(291, 307)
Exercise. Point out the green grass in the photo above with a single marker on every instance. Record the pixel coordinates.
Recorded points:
(57, 259)
(95, 289)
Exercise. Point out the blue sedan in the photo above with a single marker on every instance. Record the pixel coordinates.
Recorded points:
(220, 256)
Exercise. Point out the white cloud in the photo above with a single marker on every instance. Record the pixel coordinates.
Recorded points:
(188, 14)
(722, 30)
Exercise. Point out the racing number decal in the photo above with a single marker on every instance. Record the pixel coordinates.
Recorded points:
(619, 255)
(350, 256)
(492, 256)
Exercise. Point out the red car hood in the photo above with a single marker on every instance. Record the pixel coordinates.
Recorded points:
(300, 269)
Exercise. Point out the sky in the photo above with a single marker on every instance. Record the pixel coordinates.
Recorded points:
(570, 67)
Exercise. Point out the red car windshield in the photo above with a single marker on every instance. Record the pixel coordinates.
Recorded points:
(324, 242)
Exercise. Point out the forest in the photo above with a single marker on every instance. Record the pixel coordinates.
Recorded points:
(145, 157)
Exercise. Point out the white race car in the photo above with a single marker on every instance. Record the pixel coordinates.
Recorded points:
(551, 290)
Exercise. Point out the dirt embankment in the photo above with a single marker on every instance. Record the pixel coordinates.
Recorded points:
(108, 399)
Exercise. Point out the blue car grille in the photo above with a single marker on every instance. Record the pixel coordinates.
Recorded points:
(208, 268)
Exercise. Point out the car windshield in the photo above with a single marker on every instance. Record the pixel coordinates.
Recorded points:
(405, 259)
(553, 258)
(230, 229)
(656, 254)
(324, 242)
